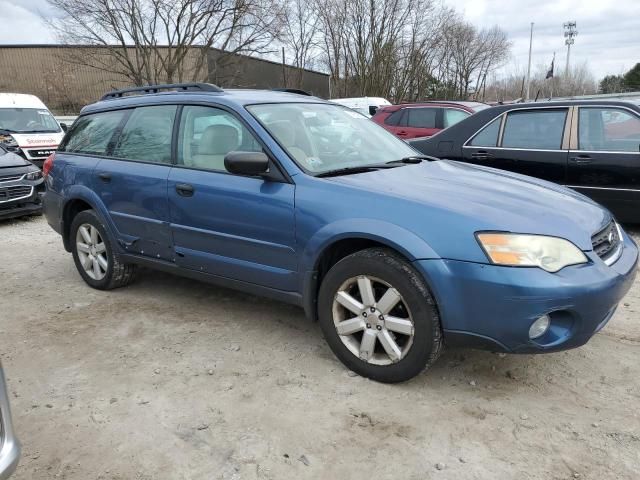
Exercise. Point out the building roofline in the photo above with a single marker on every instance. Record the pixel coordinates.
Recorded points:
(62, 46)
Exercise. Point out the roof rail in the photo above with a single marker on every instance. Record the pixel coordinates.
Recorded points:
(203, 87)
(297, 91)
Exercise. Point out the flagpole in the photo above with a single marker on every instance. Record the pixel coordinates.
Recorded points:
(529, 67)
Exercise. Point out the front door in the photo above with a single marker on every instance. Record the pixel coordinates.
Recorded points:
(132, 183)
(604, 162)
(223, 224)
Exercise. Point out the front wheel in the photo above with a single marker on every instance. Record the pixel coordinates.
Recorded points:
(99, 266)
(379, 317)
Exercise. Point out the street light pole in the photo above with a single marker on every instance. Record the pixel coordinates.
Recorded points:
(529, 67)
(569, 32)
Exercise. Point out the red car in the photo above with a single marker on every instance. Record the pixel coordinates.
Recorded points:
(412, 120)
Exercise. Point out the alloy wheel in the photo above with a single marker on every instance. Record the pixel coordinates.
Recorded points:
(92, 252)
(373, 320)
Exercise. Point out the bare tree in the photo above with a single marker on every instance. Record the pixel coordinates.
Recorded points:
(299, 35)
(151, 41)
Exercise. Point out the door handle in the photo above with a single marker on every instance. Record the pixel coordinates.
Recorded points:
(402, 132)
(581, 160)
(105, 177)
(184, 189)
(481, 155)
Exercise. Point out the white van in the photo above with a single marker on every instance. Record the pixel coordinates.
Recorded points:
(28, 128)
(365, 105)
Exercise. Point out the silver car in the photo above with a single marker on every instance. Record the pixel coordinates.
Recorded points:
(9, 445)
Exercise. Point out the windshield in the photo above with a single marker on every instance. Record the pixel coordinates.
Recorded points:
(323, 137)
(28, 120)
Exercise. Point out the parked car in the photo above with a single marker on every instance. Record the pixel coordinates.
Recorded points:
(395, 255)
(21, 186)
(9, 444)
(28, 128)
(590, 146)
(367, 106)
(411, 120)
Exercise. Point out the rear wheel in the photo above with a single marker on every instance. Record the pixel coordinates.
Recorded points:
(98, 265)
(379, 317)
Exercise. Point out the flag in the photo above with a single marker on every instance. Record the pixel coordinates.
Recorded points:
(550, 71)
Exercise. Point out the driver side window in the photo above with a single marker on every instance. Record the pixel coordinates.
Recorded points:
(208, 134)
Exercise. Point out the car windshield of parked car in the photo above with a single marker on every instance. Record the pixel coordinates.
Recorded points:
(323, 137)
(27, 120)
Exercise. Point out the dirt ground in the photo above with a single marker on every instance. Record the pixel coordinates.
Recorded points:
(174, 379)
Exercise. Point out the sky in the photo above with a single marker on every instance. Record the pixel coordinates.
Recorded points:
(608, 30)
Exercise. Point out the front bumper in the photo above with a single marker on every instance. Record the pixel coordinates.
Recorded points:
(492, 307)
(9, 445)
(31, 205)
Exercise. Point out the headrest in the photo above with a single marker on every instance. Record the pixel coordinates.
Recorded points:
(218, 139)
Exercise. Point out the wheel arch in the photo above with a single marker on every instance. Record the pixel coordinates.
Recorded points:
(338, 240)
(80, 198)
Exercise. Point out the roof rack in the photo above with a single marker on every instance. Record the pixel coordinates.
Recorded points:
(297, 91)
(203, 87)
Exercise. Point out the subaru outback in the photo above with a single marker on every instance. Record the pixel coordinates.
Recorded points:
(311, 203)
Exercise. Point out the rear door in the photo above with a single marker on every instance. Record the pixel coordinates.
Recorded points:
(604, 161)
(228, 225)
(421, 122)
(132, 182)
(530, 141)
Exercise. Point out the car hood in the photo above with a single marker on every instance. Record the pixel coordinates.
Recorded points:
(36, 140)
(483, 198)
(8, 159)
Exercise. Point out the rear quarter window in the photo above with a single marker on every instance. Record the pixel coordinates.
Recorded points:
(91, 134)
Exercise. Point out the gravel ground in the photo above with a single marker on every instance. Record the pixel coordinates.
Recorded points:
(175, 379)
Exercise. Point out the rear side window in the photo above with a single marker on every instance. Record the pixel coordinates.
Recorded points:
(538, 129)
(422, 117)
(394, 118)
(91, 134)
(453, 116)
(147, 135)
(488, 136)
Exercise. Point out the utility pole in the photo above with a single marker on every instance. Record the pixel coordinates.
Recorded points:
(529, 67)
(569, 32)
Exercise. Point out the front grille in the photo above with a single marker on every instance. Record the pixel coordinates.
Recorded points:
(15, 193)
(41, 152)
(10, 178)
(607, 243)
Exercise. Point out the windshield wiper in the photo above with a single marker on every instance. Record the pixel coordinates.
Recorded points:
(7, 130)
(412, 159)
(350, 170)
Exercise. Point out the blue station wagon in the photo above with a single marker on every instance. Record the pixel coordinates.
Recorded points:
(284, 195)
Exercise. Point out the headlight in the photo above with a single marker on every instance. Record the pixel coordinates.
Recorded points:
(8, 141)
(37, 175)
(516, 250)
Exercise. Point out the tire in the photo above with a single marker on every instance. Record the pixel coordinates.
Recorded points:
(420, 344)
(116, 274)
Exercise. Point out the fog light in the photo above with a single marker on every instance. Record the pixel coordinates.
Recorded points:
(539, 327)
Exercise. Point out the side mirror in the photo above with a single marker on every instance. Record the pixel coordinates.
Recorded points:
(372, 110)
(247, 163)
(64, 127)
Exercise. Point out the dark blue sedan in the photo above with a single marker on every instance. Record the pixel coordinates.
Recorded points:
(313, 204)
